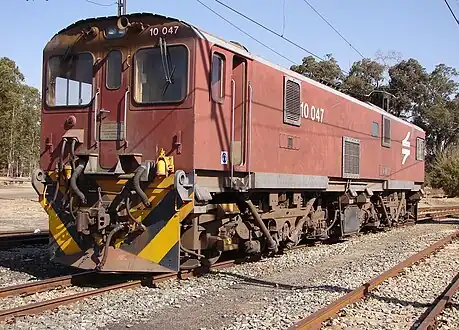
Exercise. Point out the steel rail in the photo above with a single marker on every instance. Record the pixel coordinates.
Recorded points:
(41, 306)
(429, 320)
(314, 320)
(45, 305)
(44, 285)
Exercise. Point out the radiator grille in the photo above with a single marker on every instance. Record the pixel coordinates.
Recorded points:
(292, 102)
(351, 158)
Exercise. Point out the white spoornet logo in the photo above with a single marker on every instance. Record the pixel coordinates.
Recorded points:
(406, 147)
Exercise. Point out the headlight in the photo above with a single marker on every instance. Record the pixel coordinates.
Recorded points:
(113, 32)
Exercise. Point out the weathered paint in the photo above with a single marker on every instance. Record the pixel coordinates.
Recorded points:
(317, 145)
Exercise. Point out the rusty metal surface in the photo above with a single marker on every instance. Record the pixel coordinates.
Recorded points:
(44, 285)
(429, 321)
(437, 212)
(41, 306)
(314, 321)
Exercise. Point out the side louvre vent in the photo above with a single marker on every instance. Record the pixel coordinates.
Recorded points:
(351, 158)
(292, 102)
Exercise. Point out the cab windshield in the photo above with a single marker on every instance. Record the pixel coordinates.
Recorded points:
(69, 80)
(161, 74)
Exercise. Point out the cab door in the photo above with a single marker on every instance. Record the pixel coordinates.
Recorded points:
(240, 107)
(112, 111)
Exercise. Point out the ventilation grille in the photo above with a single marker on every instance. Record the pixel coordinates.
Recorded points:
(351, 158)
(292, 102)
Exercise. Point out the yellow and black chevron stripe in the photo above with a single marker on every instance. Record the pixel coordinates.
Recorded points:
(63, 235)
(159, 244)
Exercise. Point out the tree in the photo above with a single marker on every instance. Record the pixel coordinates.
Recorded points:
(327, 71)
(444, 171)
(364, 77)
(19, 120)
(439, 112)
(409, 82)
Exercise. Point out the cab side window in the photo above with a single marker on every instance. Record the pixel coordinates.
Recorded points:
(217, 81)
(114, 69)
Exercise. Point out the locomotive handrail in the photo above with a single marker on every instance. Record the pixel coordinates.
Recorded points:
(233, 86)
(125, 116)
(96, 99)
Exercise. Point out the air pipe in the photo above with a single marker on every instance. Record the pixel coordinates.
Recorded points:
(107, 245)
(127, 202)
(60, 168)
(294, 235)
(74, 185)
(271, 243)
(136, 183)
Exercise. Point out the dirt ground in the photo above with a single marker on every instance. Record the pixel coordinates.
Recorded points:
(19, 208)
(436, 197)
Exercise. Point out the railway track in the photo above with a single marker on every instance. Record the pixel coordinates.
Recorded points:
(92, 277)
(17, 238)
(316, 319)
(79, 279)
(429, 319)
(437, 212)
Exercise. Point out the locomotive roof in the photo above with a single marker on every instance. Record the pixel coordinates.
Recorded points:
(242, 51)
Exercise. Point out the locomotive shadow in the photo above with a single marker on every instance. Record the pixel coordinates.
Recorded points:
(34, 261)
(251, 281)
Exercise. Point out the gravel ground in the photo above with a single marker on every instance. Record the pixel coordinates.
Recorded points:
(25, 264)
(271, 294)
(399, 302)
(16, 301)
(449, 318)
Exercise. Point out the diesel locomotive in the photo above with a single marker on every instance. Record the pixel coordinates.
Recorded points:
(163, 146)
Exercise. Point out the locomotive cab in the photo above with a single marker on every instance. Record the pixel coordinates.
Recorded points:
(116, 123)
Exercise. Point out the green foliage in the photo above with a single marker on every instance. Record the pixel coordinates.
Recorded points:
(444, 171)
(19, 121)
(409, 82)
(364, 77)
(429, 99)
(327, 71)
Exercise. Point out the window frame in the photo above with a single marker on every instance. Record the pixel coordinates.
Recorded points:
(383, 129)
(67, 107)
(107, 66)
(375, 129)
(133, 79)
(222, 58)
(418, 139)
(287, 121)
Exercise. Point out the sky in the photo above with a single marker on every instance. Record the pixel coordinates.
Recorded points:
(421, 29)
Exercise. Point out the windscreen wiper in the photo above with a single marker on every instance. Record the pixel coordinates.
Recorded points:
(166, 61)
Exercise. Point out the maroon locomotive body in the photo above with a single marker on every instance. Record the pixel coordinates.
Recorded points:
(164, 146)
